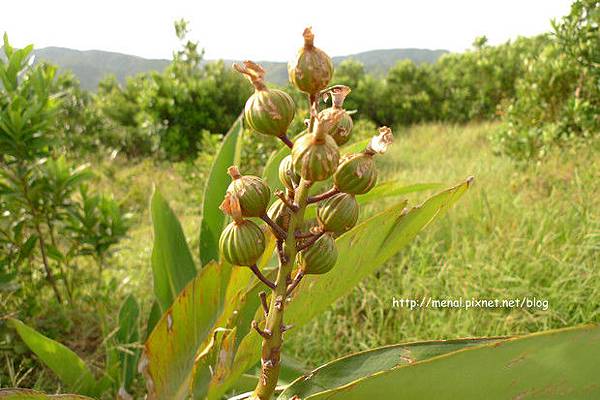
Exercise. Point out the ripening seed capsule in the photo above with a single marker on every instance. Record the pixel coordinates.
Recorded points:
(242, 243)
(356, 174)
(287, 176)
(280, 213)
(251, 191)
(267, 111)
(312, 69)
(320, 257)
(338, 213)
(342, 130)
(314, 158)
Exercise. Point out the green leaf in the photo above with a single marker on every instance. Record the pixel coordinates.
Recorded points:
(366, 247)
(172, 263)
(560, 364)
(354, 366)
(153, 317)
(271, 170)
(128, 337)
(27, 247)
(28, 394)
(380, 237)
(394, 188)
(67, 365)
(383, 190)
(169, 352)
(213, 220)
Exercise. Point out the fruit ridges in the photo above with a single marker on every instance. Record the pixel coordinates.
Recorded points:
(315, 159)
(242, 243)
(320, 257)
(356, 174)
(312, 69)
(339, 213)
(267, 111)
(287, 176)
(280, 213)
(251, 191)
(270, 112)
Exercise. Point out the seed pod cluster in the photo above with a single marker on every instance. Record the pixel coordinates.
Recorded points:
(315, 156)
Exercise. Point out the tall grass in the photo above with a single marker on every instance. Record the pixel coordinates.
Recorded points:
(521, 231)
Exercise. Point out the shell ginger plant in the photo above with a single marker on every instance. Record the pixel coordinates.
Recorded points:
(209, 328)
(303, 247)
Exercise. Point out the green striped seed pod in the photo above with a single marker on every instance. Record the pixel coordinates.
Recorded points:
(312, 68)
(356, 174)
(287, 176)
(242, 243)
(251, 191)
(280, 213)
(315, 159)
(318, 258)
(311, 225)
(338, 213)
(343, 130)
(267, 111)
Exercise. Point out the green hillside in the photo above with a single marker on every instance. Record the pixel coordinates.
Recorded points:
(92, 65)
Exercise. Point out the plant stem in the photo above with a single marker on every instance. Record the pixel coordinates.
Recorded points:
(322, 196)
(271, 345)
(49, 275)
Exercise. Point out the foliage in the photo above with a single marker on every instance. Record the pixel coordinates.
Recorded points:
(172, 112)
(458, 87)
(53, 228)
(557, 99)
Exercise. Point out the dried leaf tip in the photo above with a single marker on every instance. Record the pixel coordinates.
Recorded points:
(380, 142)
(253, 72)
(338, 94)
(309, 37)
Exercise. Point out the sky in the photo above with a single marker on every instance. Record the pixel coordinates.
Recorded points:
(271, 30)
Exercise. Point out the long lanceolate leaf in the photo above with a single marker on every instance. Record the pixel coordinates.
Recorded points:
(67, 365)
(172, 263)
(561, 364)
(380, 237)
(169, 352)
(360, 365)
(213, 220)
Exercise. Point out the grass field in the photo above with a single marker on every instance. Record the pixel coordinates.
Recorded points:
(521, 231)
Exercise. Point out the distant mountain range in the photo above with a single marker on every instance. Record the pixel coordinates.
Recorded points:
(91, 66)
